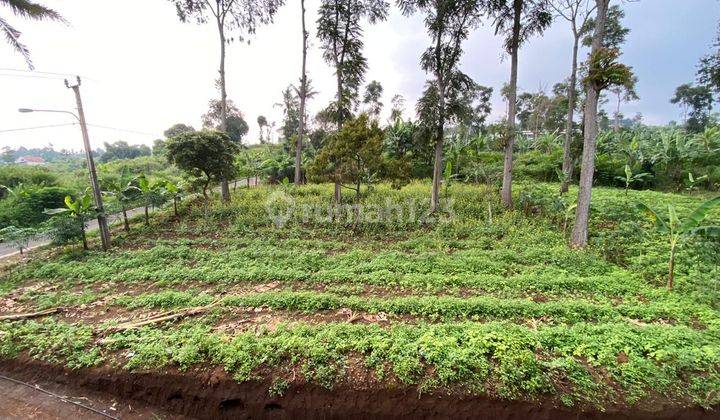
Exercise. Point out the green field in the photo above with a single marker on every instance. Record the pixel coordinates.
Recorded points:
(480, 301)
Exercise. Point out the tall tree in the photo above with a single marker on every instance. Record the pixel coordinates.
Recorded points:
(29, 10)
(696, 102)
(518, 20)
(232, 120)
(449, 23)
(708, 73)
(577, 12)
(291, 115)
(373, 98)
(623, 93)
(230, 16)
(397, 104)
(341, 38)
(177, 129)
(262, 123)
(303, 93)
(603, 71)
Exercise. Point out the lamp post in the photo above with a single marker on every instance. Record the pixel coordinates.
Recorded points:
(102, 220)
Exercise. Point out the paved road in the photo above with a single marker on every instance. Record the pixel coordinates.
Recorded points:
(7, 250)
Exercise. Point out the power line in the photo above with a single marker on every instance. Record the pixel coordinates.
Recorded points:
(39, 74)
(123, 129)
(10, 130)
(31, 76)
(36, 127)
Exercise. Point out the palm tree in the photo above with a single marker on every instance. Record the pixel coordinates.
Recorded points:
(28, 10)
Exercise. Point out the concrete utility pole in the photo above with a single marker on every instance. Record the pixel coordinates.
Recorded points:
(102, 221)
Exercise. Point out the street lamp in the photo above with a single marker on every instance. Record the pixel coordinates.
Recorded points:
(102, 221)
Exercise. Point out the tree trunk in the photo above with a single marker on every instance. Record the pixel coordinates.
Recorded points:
(616, 128)
(224, 187)
(125, 220)
(147, 217)
(440, 134)
(512, 107)
(84, 237)
(303, 97)
(175, 206)
(567, 166)
(337, 193)
(337, 196)
(671, 266)
(437, 170)
(582, 212)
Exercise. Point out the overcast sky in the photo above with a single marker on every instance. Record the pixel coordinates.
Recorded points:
(144, 70)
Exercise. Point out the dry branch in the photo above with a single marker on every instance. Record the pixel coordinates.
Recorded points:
(165, 316)
(14, 317)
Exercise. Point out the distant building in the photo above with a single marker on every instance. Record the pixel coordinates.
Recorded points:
(30, 160)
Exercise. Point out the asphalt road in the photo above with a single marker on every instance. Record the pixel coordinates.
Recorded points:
(7, 250)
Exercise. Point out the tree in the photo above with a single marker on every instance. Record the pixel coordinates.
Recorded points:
(518, 20)
(151, 194)
(340, 35)
(615, 32)
(175, 192)
(679, 231)
(624, 93)
(204, 154)
(177, 129)
(79, 211)
(230, 16)
(397, 104)
(577, 12)
(373, 98)
(352, 156)
(303, 94)
(708, 73)
(125, 192)
(448, 23)
(603, 71)
(123, 150)
(234, 123)
(28, 10)
(291, 114)
(696, 103)
(262, 123)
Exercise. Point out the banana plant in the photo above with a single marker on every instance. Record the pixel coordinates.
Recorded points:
(125, 191)
(152, 194)
(175, 191)
(631, 178)
(692, 181)
(679, 231)
(80, 209)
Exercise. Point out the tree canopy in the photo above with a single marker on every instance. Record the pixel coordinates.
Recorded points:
(209, 155)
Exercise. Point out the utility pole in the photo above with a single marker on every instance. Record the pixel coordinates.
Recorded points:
(102, 221)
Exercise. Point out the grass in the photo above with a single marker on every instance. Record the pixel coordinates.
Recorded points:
(482, 300)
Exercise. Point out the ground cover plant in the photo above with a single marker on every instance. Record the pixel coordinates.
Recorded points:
(476, 299)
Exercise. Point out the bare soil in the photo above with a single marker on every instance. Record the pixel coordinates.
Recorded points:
(212, 394)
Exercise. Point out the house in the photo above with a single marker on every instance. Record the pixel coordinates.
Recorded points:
(30, 160)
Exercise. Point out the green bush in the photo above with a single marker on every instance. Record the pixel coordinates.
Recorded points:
(26, 210)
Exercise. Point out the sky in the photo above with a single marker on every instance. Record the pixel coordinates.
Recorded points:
(143, 70)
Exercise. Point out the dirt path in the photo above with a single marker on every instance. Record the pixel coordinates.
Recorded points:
(20, 401)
